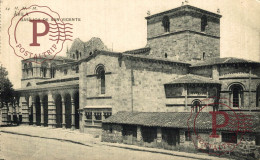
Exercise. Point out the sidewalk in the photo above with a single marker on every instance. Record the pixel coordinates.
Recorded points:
(89, 140)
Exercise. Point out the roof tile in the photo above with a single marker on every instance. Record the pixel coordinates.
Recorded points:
(237, 121)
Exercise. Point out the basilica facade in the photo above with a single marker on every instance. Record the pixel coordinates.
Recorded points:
(143, 94)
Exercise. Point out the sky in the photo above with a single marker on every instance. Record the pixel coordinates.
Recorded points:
(121, 24)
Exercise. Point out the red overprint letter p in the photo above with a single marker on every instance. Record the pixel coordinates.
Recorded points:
(214, 122)
(36, 34)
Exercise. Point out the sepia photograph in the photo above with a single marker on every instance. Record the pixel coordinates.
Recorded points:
(129, 79)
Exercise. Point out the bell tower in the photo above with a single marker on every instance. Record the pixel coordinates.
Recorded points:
(185, 33)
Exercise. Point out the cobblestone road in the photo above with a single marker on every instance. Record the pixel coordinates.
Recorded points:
(18, 147)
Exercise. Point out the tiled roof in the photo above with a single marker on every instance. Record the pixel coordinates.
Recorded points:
(136, 56)
(63, 58)
(155, 59)
(193, 79)
(185, 120)
(139, 51)
(53, 85)
(226, 60)
(238, 75)
(60, 58)
(182, 8)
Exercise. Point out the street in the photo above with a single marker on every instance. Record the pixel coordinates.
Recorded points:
(19, 147)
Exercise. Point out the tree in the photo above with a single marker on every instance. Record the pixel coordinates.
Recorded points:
(6, 88)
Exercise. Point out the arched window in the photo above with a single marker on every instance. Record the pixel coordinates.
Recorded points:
(166, 23)
(77, 69)
(53, 70)
(196, 106)
(28, 84)
(30, 68)
(73, 56)
(165, 55)
(101, 79)
(77, 54)
(25, 68)
(236, 95)
(90, 53)
(204, 23)
(80, 54)
(44, 69)
(203, 55)
(258, 96)
(65, 71)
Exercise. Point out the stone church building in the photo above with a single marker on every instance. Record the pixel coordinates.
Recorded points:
(144, 95)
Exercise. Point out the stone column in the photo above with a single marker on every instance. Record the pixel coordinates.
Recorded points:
(72, 113)
(249, 88)
(42, 111)
(207, 96)
(93, 118)
(63, 111)
(25, 110)
(16, 108)
(186, 95)
(48, 73)
(215, 72)
(139, 134)
(231, 99)
(11, 110)
(81, 120)
(34, 111)
(103, 116)
(159, 134)
(51, 111)
(4, 114)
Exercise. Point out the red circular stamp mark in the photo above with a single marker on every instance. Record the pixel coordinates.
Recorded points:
(232, 122)
(37, 33)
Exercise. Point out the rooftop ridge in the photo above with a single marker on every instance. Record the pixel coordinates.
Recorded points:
(182, 7)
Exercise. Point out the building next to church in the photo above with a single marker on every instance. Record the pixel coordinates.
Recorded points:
(144, 96)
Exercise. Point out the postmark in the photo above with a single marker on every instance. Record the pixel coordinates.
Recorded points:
(205, 127)
(37, 33)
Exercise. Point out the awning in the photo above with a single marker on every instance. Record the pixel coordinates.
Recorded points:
(185, 120)
(193, 79)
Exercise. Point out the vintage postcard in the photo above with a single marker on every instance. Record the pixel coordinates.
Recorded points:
(129, 79)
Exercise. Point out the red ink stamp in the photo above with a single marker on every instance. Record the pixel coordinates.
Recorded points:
(217, 132)
(37, 33)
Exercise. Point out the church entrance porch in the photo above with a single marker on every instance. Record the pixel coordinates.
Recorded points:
(45, 111)
(67, 113)
(37, 111)
(58, 105)
(76, 103)
(52, 108)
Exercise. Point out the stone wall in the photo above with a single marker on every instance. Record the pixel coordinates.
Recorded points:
(199, 44)
(232, 69)
(133, 83)
(184, 46)
(37, 75)
(203, 71)
(148, 83)
(182, 21)
(230, 74)
(175, 46)
(112, 133)
(185, 41)
(117, 82)
(201, 93)
(189, 142)
(155, 26)
(193, 21)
